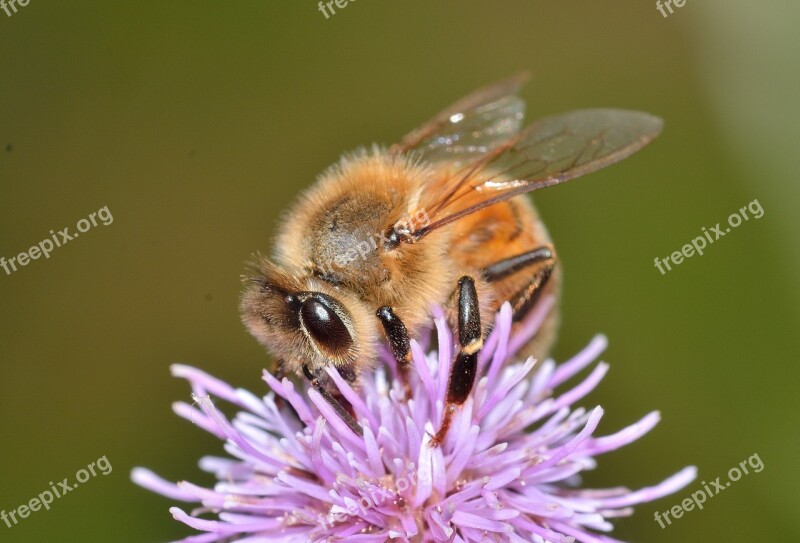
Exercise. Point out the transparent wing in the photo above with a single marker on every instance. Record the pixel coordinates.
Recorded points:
(471, 127)
(550, 151)
(467, 136)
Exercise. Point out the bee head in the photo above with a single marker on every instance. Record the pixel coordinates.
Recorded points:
(304, 320)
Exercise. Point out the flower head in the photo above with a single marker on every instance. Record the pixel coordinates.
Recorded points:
(509, 469)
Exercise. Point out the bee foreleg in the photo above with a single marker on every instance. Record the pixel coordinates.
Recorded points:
(280, 370)
(399, 342)
(511, 265)
(334, 401)
(470, 339)
(280, 373)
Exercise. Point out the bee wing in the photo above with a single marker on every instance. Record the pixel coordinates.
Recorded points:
(550, 151)
(471, 127)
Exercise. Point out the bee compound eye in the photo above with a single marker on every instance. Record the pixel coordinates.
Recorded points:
(325, 326)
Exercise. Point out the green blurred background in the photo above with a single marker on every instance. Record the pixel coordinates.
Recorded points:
(196, 123)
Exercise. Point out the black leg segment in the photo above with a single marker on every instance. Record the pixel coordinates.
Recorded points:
(526, 298)
(470, 339)
(399, 342)
(334, 401)
(469, 315)
(462, 378)
(511, 265)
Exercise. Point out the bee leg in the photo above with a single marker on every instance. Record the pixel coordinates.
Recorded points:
(470, 338)
(508, 266)
(348, 373)
(399, 343)
(280, 373)
(526, 298)
(334, 401)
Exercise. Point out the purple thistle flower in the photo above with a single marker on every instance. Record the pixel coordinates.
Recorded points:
(508, 470)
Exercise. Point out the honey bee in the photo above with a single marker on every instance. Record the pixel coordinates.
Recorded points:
(439, 218)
